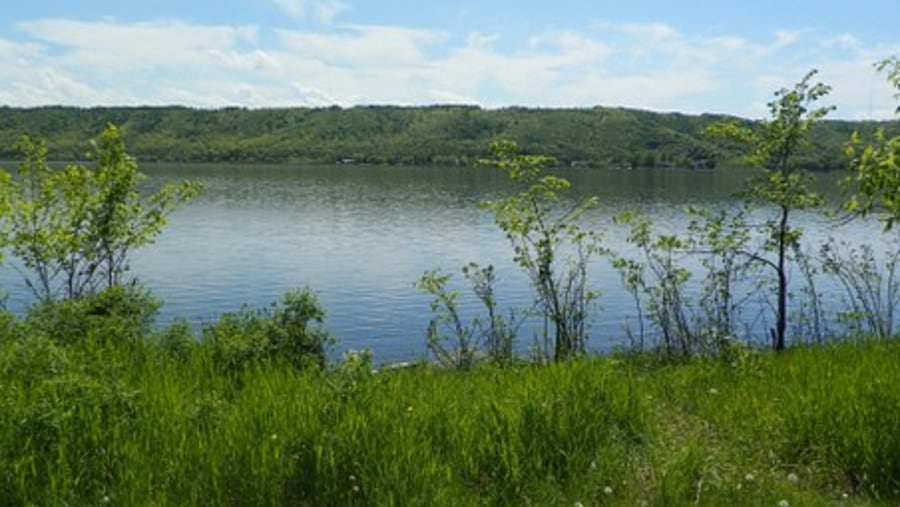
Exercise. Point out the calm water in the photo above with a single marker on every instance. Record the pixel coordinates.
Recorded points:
(361, 236)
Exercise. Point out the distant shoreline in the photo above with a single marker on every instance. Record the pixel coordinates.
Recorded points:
(402, 136)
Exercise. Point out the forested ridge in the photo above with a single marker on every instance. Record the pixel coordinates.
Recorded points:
(441, 135)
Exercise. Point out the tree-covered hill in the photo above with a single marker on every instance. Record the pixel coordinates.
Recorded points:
(396, 135)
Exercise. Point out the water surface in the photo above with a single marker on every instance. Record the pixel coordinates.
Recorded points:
(361, 236)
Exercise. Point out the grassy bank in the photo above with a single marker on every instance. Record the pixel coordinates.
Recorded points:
(148, 423)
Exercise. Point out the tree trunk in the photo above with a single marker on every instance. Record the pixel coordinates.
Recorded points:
(781, 319)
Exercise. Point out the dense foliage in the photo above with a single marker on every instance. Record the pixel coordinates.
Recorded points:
(398, 135)
(74, 228)
(93, 414)
(875, 164)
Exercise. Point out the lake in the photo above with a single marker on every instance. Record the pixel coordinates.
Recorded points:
(360, 236)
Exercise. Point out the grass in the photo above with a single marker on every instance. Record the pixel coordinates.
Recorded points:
(135, 423)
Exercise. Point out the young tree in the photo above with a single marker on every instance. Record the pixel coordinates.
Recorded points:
(5, 184)
(875, 166)
(73, 228)
(664, 288)
(658, 283)
(548, 243)
(121, 220)
(41, 234)
(491, 338)
(872, 288)
(4, 213)
(773, 145)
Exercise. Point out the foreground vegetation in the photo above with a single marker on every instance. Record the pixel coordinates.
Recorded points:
(164, 419)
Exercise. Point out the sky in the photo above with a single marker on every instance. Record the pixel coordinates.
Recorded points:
(722, 56)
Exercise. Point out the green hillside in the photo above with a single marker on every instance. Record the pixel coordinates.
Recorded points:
(397, 135)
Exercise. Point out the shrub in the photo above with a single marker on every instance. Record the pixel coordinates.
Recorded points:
(281, 332)
(238, 339)
(119, 313)
(7, 325)
(549, 245)
(176, 340)
(495, 334)
(290, 336)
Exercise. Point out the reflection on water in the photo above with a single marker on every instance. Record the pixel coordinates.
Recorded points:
(361, 236)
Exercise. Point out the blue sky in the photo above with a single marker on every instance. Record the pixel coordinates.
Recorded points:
(690, 56)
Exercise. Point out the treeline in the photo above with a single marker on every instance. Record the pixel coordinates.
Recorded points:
(436, 135)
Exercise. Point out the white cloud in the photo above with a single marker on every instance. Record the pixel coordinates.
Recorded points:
(652, 66)
(650, 32)
(323, 11)
(111, 36)
(481, 40)
(19, 53)
(572, 46)
(120, 47)
(294, 8)
(844, 41)
(784, 38)
(312, 97)
(361, 45)
(448, 97)
(728, 43)
(46, 85)
(649, 90)
(257, 60)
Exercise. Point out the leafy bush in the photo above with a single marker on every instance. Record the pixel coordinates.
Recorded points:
(281, 332)
(495, 334)
(549, 244)
(119, 313)
(32, 360)
(176, 340)
(7, 325)
(290, 336)
(238, 339)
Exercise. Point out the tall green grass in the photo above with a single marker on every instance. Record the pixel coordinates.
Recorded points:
(138, 423)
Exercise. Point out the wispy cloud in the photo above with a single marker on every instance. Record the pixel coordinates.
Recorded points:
(115, 46)
(323, 11)
(361, 45)
(784, 38)
(652, 65)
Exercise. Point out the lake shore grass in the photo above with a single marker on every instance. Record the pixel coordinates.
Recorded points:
(96, 423)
